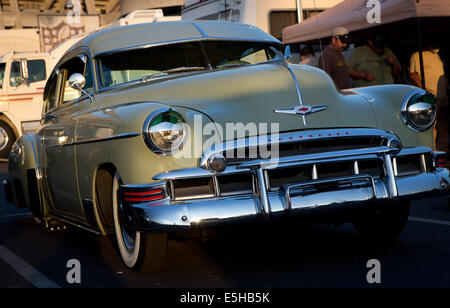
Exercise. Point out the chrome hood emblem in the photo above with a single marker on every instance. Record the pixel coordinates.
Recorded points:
(301, 110)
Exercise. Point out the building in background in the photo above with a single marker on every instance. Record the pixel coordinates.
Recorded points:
(39, 25)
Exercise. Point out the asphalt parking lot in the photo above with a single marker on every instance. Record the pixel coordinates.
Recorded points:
(274, 257)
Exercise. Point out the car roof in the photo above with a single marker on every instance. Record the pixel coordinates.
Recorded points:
(147, 34)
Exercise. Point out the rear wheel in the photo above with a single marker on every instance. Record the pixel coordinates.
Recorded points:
(7, 139)
(383, 224)
(139, 251)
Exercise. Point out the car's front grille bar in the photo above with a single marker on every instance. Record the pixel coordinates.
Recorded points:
(198, 183)
(259, 166)
(340, 138)
(304, 156)
(317, 157)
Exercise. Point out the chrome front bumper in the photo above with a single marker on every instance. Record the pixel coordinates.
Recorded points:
(319, 197)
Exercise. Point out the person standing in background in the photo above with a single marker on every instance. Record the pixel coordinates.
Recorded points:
(374, 64)
(435, 83)
(308, 56)
(333, 62)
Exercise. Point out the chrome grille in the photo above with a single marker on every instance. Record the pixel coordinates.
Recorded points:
(196, 188)
(212, 186)
(244, 183)
(337, 154)
(235, 184)
(291, 147)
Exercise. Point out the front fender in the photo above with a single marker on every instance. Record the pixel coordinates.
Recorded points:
(386, 102)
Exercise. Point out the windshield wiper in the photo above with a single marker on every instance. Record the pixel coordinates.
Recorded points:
(232, 65)
(177, 70)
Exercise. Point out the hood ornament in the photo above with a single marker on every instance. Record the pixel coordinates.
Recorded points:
(301, 110)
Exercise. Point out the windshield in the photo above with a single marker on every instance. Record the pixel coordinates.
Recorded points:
(2, 73)
(158, 61)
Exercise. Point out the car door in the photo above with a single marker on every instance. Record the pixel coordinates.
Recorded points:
(59, 141)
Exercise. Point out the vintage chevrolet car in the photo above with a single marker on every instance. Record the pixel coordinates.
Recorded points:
(159, 128)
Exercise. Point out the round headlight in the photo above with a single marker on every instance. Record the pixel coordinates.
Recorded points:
(164, 131)
(419, 110)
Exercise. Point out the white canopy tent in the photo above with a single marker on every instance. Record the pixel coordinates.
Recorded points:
(352, 14)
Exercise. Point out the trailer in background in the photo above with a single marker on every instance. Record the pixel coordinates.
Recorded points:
(269, 15)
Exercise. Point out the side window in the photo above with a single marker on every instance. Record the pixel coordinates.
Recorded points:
(255, 56)
(2, 73)
(52, 92)
(14, 76)
(81, 65)
(36, 70)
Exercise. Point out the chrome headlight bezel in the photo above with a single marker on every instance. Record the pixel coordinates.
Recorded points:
(411, 99)
(150, 135)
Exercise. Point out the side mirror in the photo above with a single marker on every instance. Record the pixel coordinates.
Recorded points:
(24, 72)
(77, 82)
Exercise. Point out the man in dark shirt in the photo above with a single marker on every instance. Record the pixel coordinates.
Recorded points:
(333, 62)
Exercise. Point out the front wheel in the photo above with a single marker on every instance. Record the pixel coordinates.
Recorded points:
(384, 224)
(139, 251)
(7, 139)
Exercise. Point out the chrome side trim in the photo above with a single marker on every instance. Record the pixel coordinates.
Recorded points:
(113, 137)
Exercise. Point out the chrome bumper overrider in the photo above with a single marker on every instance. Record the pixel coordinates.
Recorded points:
(317, 196)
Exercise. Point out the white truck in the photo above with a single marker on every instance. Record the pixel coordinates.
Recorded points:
(23, 76)
(269, 15)
(22, 80)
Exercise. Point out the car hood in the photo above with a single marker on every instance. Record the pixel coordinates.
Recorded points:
(251, 94)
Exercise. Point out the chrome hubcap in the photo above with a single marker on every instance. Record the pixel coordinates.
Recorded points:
(3, 139)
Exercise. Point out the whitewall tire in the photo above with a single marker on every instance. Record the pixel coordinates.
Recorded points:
(139, 251)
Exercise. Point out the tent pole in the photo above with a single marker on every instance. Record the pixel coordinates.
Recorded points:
(419, 38)
(299, 11)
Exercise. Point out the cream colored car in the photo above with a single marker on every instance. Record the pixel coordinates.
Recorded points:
(135, 140)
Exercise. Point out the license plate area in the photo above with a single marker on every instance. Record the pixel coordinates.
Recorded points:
(336, 190)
